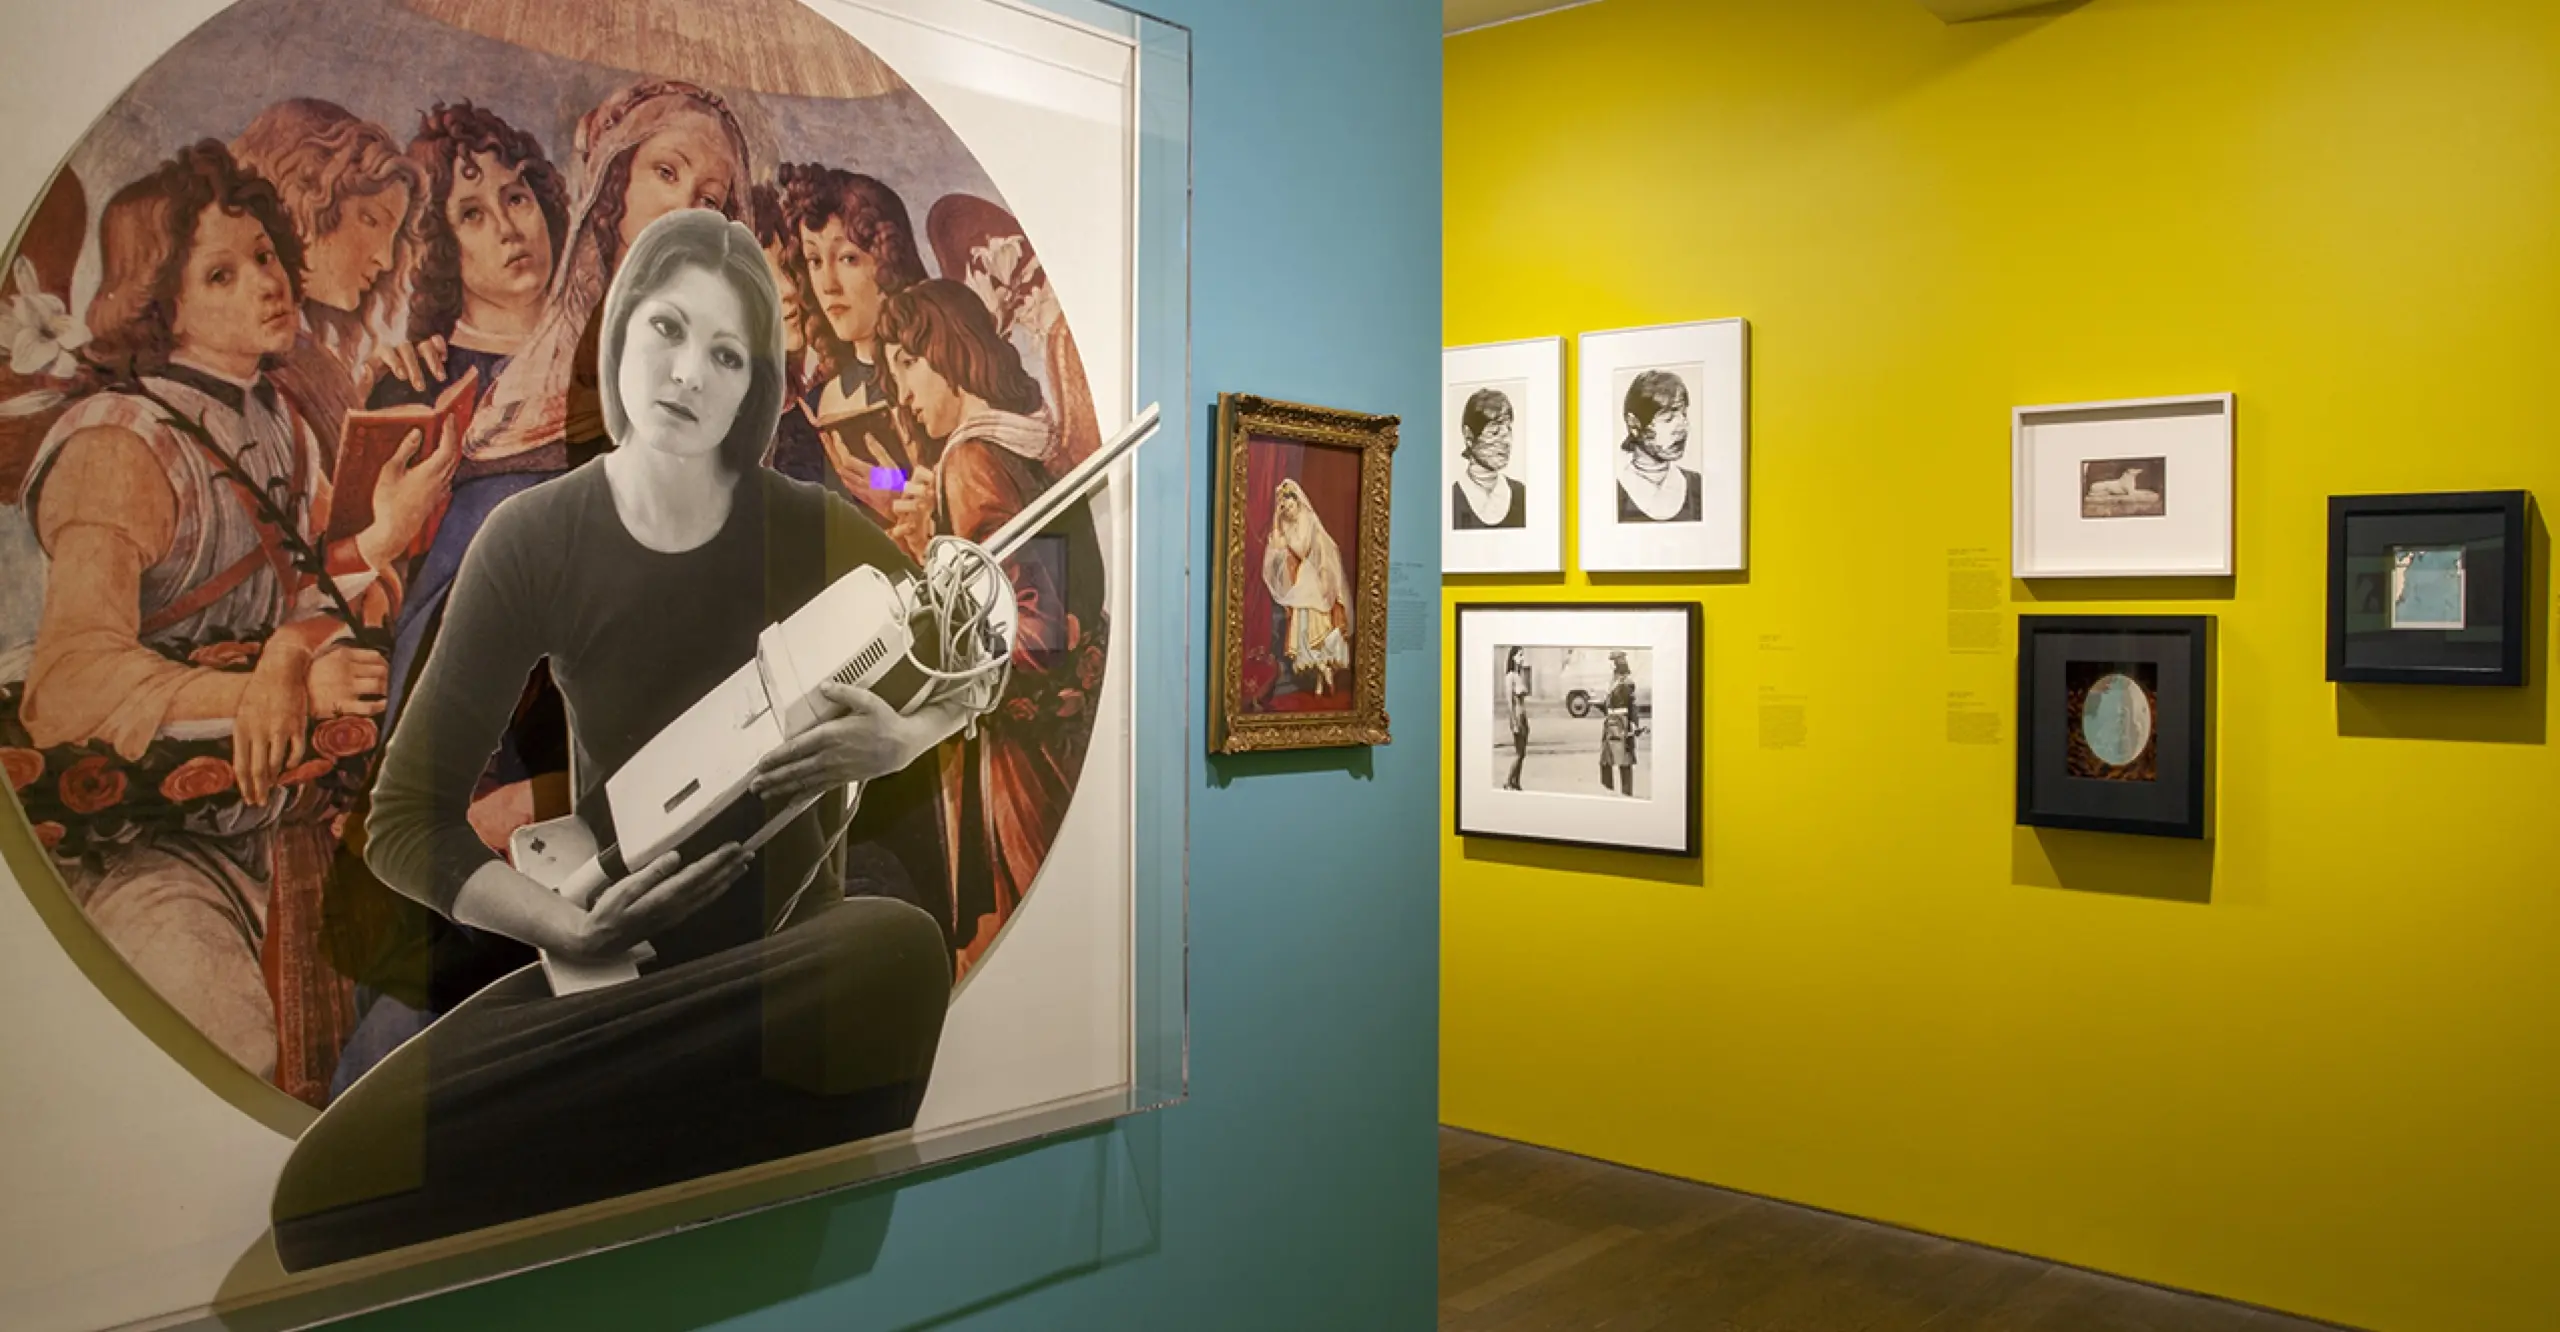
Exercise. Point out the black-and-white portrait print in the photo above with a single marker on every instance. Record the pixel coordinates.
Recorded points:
(1486, 496)
(1655, 482)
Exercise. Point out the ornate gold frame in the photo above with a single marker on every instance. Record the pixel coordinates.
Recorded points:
(1240, 417)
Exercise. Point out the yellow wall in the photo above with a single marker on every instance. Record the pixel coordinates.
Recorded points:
(2309, 1065)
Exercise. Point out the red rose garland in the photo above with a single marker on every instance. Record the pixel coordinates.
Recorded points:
(23, 766)
(198, 778)
(91, 785)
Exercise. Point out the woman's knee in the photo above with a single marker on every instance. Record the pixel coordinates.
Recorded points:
(898, 939)
(365, 1153)
(857, 1000)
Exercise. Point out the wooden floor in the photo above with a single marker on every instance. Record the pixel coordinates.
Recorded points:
(1538, 1241)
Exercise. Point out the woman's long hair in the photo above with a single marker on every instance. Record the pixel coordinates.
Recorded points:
(697, 238)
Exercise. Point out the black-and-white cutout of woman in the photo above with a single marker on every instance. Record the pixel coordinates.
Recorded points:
(775, 1017)
(1652, 485)
(1485, 499)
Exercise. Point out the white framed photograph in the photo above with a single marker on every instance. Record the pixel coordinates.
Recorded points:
(1502, 454)
(1664, 416)
(2135, 488)
(1580, 724)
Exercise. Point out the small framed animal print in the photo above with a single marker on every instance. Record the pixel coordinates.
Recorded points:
(2123, 489)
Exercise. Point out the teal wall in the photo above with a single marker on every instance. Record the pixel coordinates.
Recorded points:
(1296, 1188)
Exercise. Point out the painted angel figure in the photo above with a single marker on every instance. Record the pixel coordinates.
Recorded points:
(1302, 567)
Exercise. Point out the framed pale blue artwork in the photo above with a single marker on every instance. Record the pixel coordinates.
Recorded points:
(2430, 588)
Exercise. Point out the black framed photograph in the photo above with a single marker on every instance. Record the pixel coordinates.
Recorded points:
(1580, 724)
(2429, 589)
(2114, 723)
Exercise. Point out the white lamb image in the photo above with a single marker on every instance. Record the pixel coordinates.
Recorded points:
(2122, 487)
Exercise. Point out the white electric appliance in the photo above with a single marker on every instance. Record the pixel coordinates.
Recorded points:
(907, 638)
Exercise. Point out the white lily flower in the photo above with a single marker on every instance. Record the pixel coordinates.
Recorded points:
(42, 336)
(1004, 274)
(28, 404)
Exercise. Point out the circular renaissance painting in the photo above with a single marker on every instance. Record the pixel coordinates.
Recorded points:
(411, 408)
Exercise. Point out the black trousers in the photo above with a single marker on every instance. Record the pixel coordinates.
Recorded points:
(519, 1103)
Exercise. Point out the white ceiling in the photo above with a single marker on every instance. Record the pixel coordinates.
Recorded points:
(1459, 15)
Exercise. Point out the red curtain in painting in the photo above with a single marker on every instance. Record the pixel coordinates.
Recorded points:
(1331, 479)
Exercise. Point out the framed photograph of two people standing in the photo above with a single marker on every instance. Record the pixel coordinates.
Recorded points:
(1580, 724)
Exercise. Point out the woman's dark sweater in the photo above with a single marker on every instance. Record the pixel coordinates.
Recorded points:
(634, 636)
